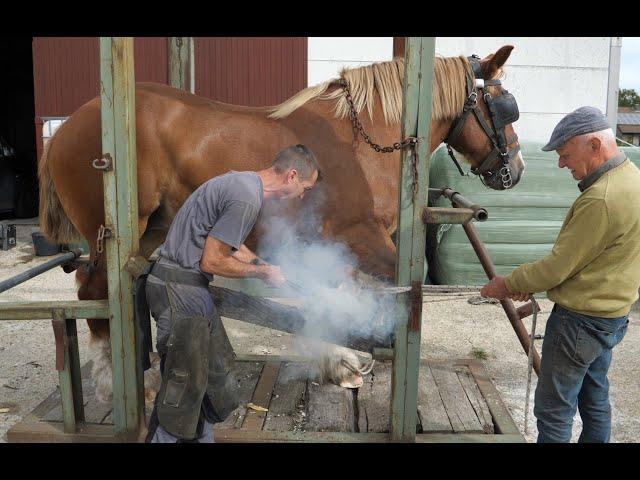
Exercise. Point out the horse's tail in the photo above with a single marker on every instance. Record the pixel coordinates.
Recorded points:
(53, 220)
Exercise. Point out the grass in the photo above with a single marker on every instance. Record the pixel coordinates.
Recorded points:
(479, 353)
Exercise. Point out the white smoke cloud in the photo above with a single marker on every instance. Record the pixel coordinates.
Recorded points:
(334, 303)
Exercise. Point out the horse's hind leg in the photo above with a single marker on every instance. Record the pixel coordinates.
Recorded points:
(92, 285)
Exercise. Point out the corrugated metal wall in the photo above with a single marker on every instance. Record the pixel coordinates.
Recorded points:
(244, 71)
(253, 71)
(66, 71)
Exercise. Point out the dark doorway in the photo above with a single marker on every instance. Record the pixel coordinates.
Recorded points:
(18, 158)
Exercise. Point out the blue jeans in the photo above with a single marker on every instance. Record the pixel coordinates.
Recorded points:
(576, 354)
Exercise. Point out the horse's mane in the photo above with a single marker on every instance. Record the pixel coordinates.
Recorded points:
(385, 79)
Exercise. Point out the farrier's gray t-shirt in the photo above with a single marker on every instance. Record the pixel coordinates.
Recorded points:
(225, 207)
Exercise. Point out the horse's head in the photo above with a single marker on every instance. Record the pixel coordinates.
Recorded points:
(483, 132)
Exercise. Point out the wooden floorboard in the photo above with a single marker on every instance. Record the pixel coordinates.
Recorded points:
(287, 404)
(247, 374)
(329, 408)
(431, 411)
(460, 412)
(475, 398)
(373, 400)
(456, 402)
(254, 419)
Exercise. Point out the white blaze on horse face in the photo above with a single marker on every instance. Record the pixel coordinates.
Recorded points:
(520, 164)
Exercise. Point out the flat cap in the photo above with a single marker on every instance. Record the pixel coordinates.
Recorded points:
(580, 121)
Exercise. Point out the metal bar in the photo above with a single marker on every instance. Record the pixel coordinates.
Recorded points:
(12, 311)
(121, 216)
(527, 309)
(412, 199)
(438, 215)
(480, 213)
(181, 63)
(35, 271)
(507, 304)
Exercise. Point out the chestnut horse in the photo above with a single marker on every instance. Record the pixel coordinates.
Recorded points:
(183, 140)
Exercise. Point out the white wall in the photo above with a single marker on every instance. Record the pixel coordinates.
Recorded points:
(328, 55)
(549, 76)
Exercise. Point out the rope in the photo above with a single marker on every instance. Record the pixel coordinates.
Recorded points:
(530, 363)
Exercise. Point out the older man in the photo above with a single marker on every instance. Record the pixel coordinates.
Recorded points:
(592, 274)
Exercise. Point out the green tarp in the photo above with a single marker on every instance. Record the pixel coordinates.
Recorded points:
(523, 222)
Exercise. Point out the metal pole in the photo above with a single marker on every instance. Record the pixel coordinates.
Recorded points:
(614, 81)
(35, 271)
(121, 218)
(507, 304)
(412, 199)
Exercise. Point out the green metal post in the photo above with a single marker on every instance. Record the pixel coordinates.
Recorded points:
(181, 63)
(121, 218)
(412, 199)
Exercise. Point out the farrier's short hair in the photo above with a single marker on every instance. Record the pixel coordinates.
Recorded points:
(298, 157)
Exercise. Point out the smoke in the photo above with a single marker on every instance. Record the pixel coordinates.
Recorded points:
(334, 301)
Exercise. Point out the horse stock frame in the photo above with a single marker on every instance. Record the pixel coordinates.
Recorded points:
(121, 214)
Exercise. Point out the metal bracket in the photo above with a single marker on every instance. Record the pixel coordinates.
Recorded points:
(104, 163)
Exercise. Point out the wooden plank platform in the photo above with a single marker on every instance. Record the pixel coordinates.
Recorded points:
(456, 403)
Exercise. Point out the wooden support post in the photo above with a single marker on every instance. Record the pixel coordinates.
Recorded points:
(121, 218)
(181, 63)
(68, 367)
(412, 199)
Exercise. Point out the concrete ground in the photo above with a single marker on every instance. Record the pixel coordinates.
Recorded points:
(452, 328)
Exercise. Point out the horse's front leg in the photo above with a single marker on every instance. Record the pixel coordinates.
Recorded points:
(370, 241)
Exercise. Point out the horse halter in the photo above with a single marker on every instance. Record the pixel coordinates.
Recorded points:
(503, 110)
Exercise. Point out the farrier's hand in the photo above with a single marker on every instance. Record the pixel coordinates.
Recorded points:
(272, 275)
(496, 288)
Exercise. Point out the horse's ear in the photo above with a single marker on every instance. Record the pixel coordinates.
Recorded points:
(492, 63)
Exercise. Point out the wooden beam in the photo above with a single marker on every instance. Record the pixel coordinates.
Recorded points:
(44, 310)
(241, 436)
(262, 396)
(121, 218)
(181, 63)
(69, 372)
(502, 420)
(53, 432)
(412, 199)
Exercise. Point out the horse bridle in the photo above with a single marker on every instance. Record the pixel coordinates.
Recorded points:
(503, 110)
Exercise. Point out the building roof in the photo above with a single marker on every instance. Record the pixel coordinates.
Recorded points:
(629, 128)
(625, 118)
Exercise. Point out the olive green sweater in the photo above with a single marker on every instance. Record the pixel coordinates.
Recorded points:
(594, 266)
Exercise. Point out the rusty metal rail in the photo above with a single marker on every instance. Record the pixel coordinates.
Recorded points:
(62, 259)
(515, 315)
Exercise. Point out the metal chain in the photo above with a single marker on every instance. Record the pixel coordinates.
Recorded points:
(359, 129)
(103, 232)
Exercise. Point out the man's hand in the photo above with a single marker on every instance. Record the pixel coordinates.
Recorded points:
(520, 297)
(272, 275)
(496, 288)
